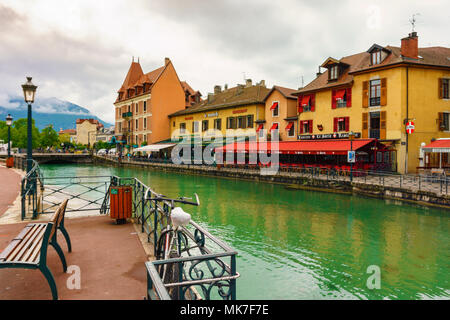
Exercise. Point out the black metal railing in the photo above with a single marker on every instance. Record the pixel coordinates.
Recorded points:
(31, 191)
(375, 101)
(207, 267)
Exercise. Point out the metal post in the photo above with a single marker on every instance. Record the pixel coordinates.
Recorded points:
(233, 282)
(9, 142)
(351, 163)
(29, 141)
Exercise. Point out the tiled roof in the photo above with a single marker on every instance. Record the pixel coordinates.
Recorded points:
(433, 56)
(92, 121)
(286, 92)
(232, 97)
(68, 131)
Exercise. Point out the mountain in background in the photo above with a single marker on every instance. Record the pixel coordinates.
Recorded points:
(61, 114)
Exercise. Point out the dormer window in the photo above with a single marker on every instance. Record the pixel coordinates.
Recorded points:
(376, 57)
(333, 72)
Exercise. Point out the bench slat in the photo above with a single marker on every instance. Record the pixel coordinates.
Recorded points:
(30, 255)
(25, 243)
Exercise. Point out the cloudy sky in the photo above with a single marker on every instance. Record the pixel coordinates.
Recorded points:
(81, 50)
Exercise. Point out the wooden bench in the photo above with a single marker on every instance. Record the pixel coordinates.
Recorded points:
(29, 249)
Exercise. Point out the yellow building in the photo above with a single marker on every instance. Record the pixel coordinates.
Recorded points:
(231, 111)
(375, 93)
(280, 113)
(86, 131)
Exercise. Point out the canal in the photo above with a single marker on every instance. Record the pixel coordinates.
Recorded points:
(311, 245)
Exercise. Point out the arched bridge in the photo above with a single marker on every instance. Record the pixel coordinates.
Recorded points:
(59, 157)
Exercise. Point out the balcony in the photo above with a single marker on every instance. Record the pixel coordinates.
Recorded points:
(374, 133)
(127, 114)
(375, 102)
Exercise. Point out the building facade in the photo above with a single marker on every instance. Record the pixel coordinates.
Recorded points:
(280, 114)
(144, 102)
(374, 94)
(231, 111)
(87, 130)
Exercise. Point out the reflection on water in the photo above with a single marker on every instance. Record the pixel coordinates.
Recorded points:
(311, 245)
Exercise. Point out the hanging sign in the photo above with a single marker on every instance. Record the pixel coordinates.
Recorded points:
(410, 127)
(351, 156)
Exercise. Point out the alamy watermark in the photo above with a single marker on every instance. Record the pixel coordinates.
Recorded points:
(374, 280)
(74, 280)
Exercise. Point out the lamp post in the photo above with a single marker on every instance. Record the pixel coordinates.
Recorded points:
(351, 136)
(29, 90)
(9, 120)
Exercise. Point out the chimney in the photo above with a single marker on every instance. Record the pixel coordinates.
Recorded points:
(166, 61)
(410, 46)
(318, 73)
(262, 83)
(210, 97)
(217, 89)
(248, 83)
(240, 89)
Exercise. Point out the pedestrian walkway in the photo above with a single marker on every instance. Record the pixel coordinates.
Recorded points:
(9, 187)
(108, 258)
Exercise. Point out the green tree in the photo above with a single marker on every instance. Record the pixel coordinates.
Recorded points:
(49, 137)
(19, 133)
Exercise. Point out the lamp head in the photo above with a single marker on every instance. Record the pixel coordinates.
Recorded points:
(29, 90)
(9, 120)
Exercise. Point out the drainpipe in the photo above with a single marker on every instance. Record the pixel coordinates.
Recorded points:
(407, 117)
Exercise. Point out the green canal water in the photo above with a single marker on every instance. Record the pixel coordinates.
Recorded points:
(311, 245)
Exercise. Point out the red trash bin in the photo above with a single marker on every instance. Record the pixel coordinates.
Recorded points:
(121, 202)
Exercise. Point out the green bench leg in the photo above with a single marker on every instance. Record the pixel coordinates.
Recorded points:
(66, 236)
(58, 249)
(51, 281)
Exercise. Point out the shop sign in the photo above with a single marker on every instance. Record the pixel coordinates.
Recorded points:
(336, 135)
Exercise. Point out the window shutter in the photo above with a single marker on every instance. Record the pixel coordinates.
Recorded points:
(333, 99)
(441, 121)
(349, 97)
(383, 99)
(347, 123)
(310, 126)
(365, 125)
(383, 125)
(365, 94)
(441, 89)
(299, 101)
(312, 102)
(335, 124)
(301, 127)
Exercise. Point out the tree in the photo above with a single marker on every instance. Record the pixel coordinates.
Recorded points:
(49, 137)
(19, 134)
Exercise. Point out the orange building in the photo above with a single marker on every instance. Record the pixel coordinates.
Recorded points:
(280, 113)
(144, 102)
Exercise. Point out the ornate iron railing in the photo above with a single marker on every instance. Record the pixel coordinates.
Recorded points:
(207, 267)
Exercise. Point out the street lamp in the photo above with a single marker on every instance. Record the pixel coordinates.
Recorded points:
(351, 136)
(9, 120)
(29, 90)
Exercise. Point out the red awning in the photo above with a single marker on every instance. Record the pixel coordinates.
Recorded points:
(439, 146)
(340, 94)
(274, 126)
(305, 100)
(274, 105)
(259, 127)
(320, 147)
(289, 126)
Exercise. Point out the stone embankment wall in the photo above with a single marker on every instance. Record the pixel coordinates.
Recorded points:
(296, 182)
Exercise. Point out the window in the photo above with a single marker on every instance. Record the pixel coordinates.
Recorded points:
(231, 123)
(375, 92)
(275, 109)
(250, 121)
(218, 124)
(445, 94)
(145, 106)
(341, 124)
(137, 108)
(375, 125)
(445, 123)
(376, 57)
(137, 124)
(333, 75)
(306, 126)
(195, 126)
(291, 129)
(145, 123)
(205, 124)
(241, 122)
(183, 127)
